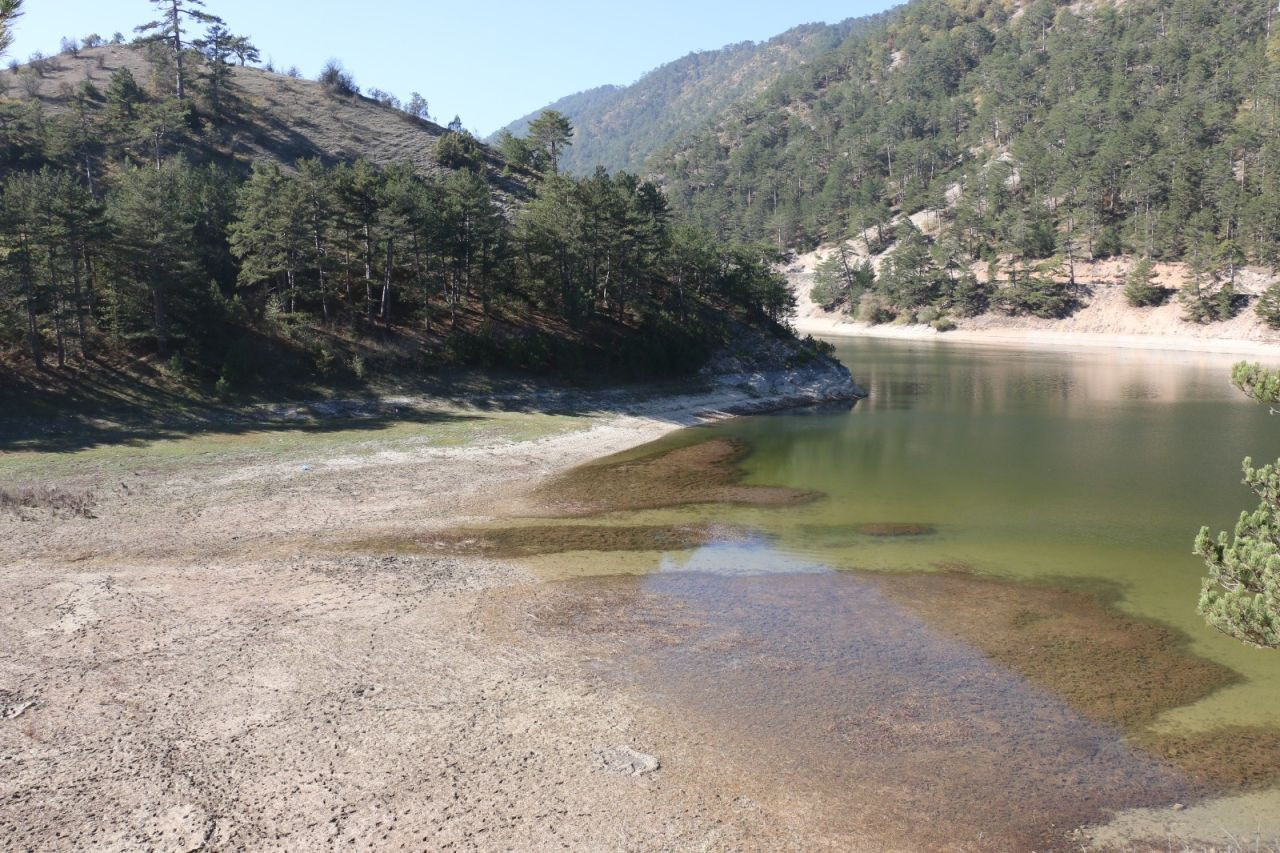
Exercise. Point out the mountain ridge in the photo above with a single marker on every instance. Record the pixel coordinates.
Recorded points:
(619, 127)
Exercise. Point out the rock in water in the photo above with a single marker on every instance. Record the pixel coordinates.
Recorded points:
(625, 760)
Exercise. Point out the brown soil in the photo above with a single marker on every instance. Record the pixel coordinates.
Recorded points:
(209, 664)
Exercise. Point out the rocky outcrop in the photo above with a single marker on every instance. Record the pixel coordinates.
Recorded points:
(780, 372)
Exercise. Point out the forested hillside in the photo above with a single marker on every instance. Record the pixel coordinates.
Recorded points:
(1024, 134)
(164, 205)
(618, 127)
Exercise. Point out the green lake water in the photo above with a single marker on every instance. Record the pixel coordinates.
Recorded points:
(1094, 465)
(1082, 469)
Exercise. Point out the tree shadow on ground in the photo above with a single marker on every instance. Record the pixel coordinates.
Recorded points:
(111, 406)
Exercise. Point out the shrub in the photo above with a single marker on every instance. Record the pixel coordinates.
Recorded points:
(874, 309)
(970, 297)
(928, 314)
(1037, 296)
(1208, 305)
(839, 280)
(457, 150)
(944, 324)
(57, 501)
(1268, 307)
(1140, 289)
(337, 79)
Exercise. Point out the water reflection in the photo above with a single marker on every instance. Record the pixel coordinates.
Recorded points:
(988, 697)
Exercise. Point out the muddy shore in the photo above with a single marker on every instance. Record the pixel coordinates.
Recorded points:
(202, 660)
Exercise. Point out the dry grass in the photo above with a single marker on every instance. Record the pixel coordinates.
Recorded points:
(279, 118)
(59, 502)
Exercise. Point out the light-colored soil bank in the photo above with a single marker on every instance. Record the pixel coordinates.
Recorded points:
(1103, 320)
(210, 662)
(1019, 336)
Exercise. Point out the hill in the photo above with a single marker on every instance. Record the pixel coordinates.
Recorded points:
(618, 127)
(1024, 137)
(234, 230)
(274, 117)
(1143, 125)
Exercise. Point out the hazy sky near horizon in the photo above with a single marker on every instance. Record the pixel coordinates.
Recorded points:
(489, 62)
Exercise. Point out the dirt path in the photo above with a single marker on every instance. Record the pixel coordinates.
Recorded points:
(208, 664)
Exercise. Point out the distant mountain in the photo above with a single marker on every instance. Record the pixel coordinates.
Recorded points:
(618, 127)
(1033, 128)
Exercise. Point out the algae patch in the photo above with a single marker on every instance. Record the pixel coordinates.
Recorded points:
(706, 472)
(1108, 665)
(535, 540)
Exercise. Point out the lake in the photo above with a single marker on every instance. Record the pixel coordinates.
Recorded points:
(979, 608)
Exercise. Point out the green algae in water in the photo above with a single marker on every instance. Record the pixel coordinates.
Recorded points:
(1045, 475)
(662, 477)
(1041, 466)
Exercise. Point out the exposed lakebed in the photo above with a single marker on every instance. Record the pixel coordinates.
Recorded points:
(959, 615)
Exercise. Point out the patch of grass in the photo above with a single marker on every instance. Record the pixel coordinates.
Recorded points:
(59, 502)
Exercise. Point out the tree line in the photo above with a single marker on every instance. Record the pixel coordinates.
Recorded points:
(119, 235)
(1149, 128)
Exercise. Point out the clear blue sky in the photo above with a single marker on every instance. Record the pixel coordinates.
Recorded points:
(489, 62)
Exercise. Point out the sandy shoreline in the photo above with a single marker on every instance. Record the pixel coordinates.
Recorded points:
(213, 661)
(1039, 338)
(236, 653)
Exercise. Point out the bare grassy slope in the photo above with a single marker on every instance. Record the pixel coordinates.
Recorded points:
(279, 118)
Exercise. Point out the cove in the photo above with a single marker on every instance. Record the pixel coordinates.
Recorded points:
(971, 596)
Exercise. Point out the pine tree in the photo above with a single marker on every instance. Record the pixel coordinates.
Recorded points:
(1268, 307)
(217, 47)
(269, 235)
(1140, 289)
(840, 281)
(9, 11)
(549, 134)
(244, 50)
(169, 29)
(20, 220)
(123, 97)
(909, 277)
(154, 215)
(1241, 595)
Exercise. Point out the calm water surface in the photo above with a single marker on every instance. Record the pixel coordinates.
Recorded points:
(1035, 464)
(1077, 469)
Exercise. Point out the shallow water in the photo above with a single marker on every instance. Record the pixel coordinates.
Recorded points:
(1024, 471)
